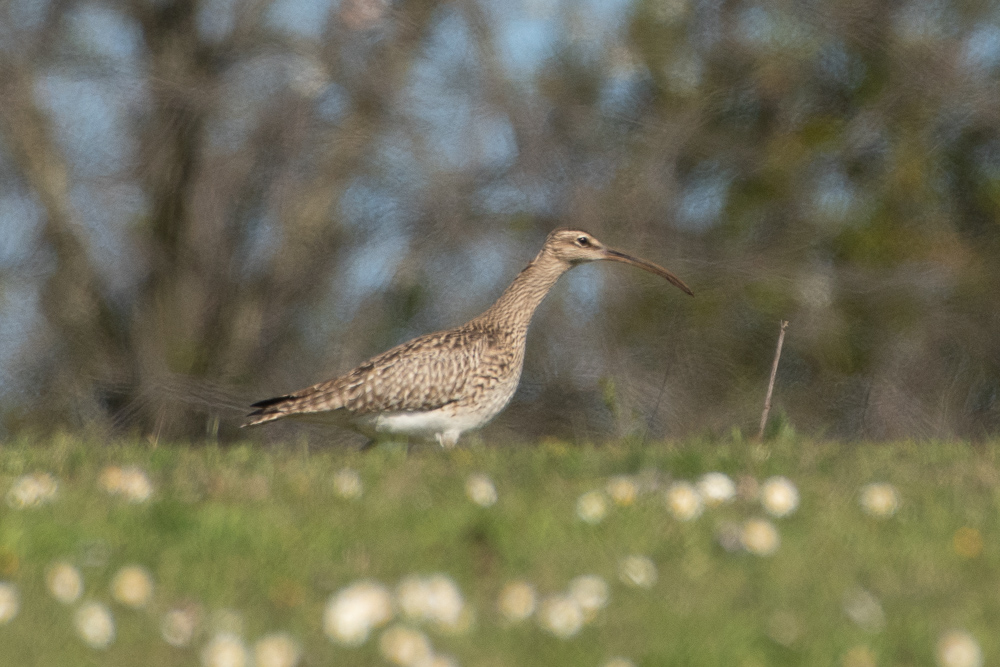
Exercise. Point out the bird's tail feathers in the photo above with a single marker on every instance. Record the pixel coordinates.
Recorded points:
(268, 410)
(290, 405)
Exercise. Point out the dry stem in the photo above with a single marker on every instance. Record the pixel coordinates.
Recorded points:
(770, 384)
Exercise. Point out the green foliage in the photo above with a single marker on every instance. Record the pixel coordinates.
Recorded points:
(264, 532)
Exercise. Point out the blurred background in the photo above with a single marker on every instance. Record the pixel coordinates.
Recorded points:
(209, 202)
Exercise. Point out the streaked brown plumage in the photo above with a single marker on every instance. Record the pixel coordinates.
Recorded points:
(442, 384)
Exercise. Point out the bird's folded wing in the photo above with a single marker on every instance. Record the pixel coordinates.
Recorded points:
(426, 373)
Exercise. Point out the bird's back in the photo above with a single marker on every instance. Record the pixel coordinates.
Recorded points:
(457, 367)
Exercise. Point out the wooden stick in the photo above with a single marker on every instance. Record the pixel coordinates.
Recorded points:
(770, 385)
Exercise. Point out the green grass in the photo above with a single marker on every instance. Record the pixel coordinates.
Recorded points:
(262, 531)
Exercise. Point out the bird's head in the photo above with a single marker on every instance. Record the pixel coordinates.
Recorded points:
(574, 246)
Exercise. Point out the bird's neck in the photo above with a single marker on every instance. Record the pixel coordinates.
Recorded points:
(512, 312)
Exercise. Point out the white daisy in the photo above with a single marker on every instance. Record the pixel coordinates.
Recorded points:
(435, 599)
(94, 624)
(347, 484)
(405, 646)
(760, 537)
(276, 650)
(880, 500)
(64, 582)
(129, 482)
(561, 615)
(683, 501)
(352, 613)
(864, 609)
(638, 571)
(178, 626)
(480, 490)
(779, 496)
(959, 649)
(32, 490)
(517, 601)
(591, 507)
(716, 488)
(619, 662)
(10, 602)
(132, 586)
(623, 490)
(225, 650)
(590, 592)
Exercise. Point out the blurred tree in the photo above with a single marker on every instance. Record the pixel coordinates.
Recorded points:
(209, 201)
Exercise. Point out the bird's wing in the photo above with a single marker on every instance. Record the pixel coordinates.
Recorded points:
(425, 373)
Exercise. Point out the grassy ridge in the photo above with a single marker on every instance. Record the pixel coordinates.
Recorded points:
(264, 532)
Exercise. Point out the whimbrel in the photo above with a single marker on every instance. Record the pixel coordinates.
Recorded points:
(445, 383)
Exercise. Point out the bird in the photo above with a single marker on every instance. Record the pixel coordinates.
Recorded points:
(443, 384)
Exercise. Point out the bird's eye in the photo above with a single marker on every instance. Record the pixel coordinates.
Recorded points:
(583, 241)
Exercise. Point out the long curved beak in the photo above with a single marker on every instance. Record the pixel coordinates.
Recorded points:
(616, 256)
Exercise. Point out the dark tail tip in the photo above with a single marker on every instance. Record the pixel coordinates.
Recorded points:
(262, 406)
(263, 409)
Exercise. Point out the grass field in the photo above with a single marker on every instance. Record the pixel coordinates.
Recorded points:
(246, 546)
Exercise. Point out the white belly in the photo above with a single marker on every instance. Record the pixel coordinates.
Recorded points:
(443, 424)
(422, 424)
